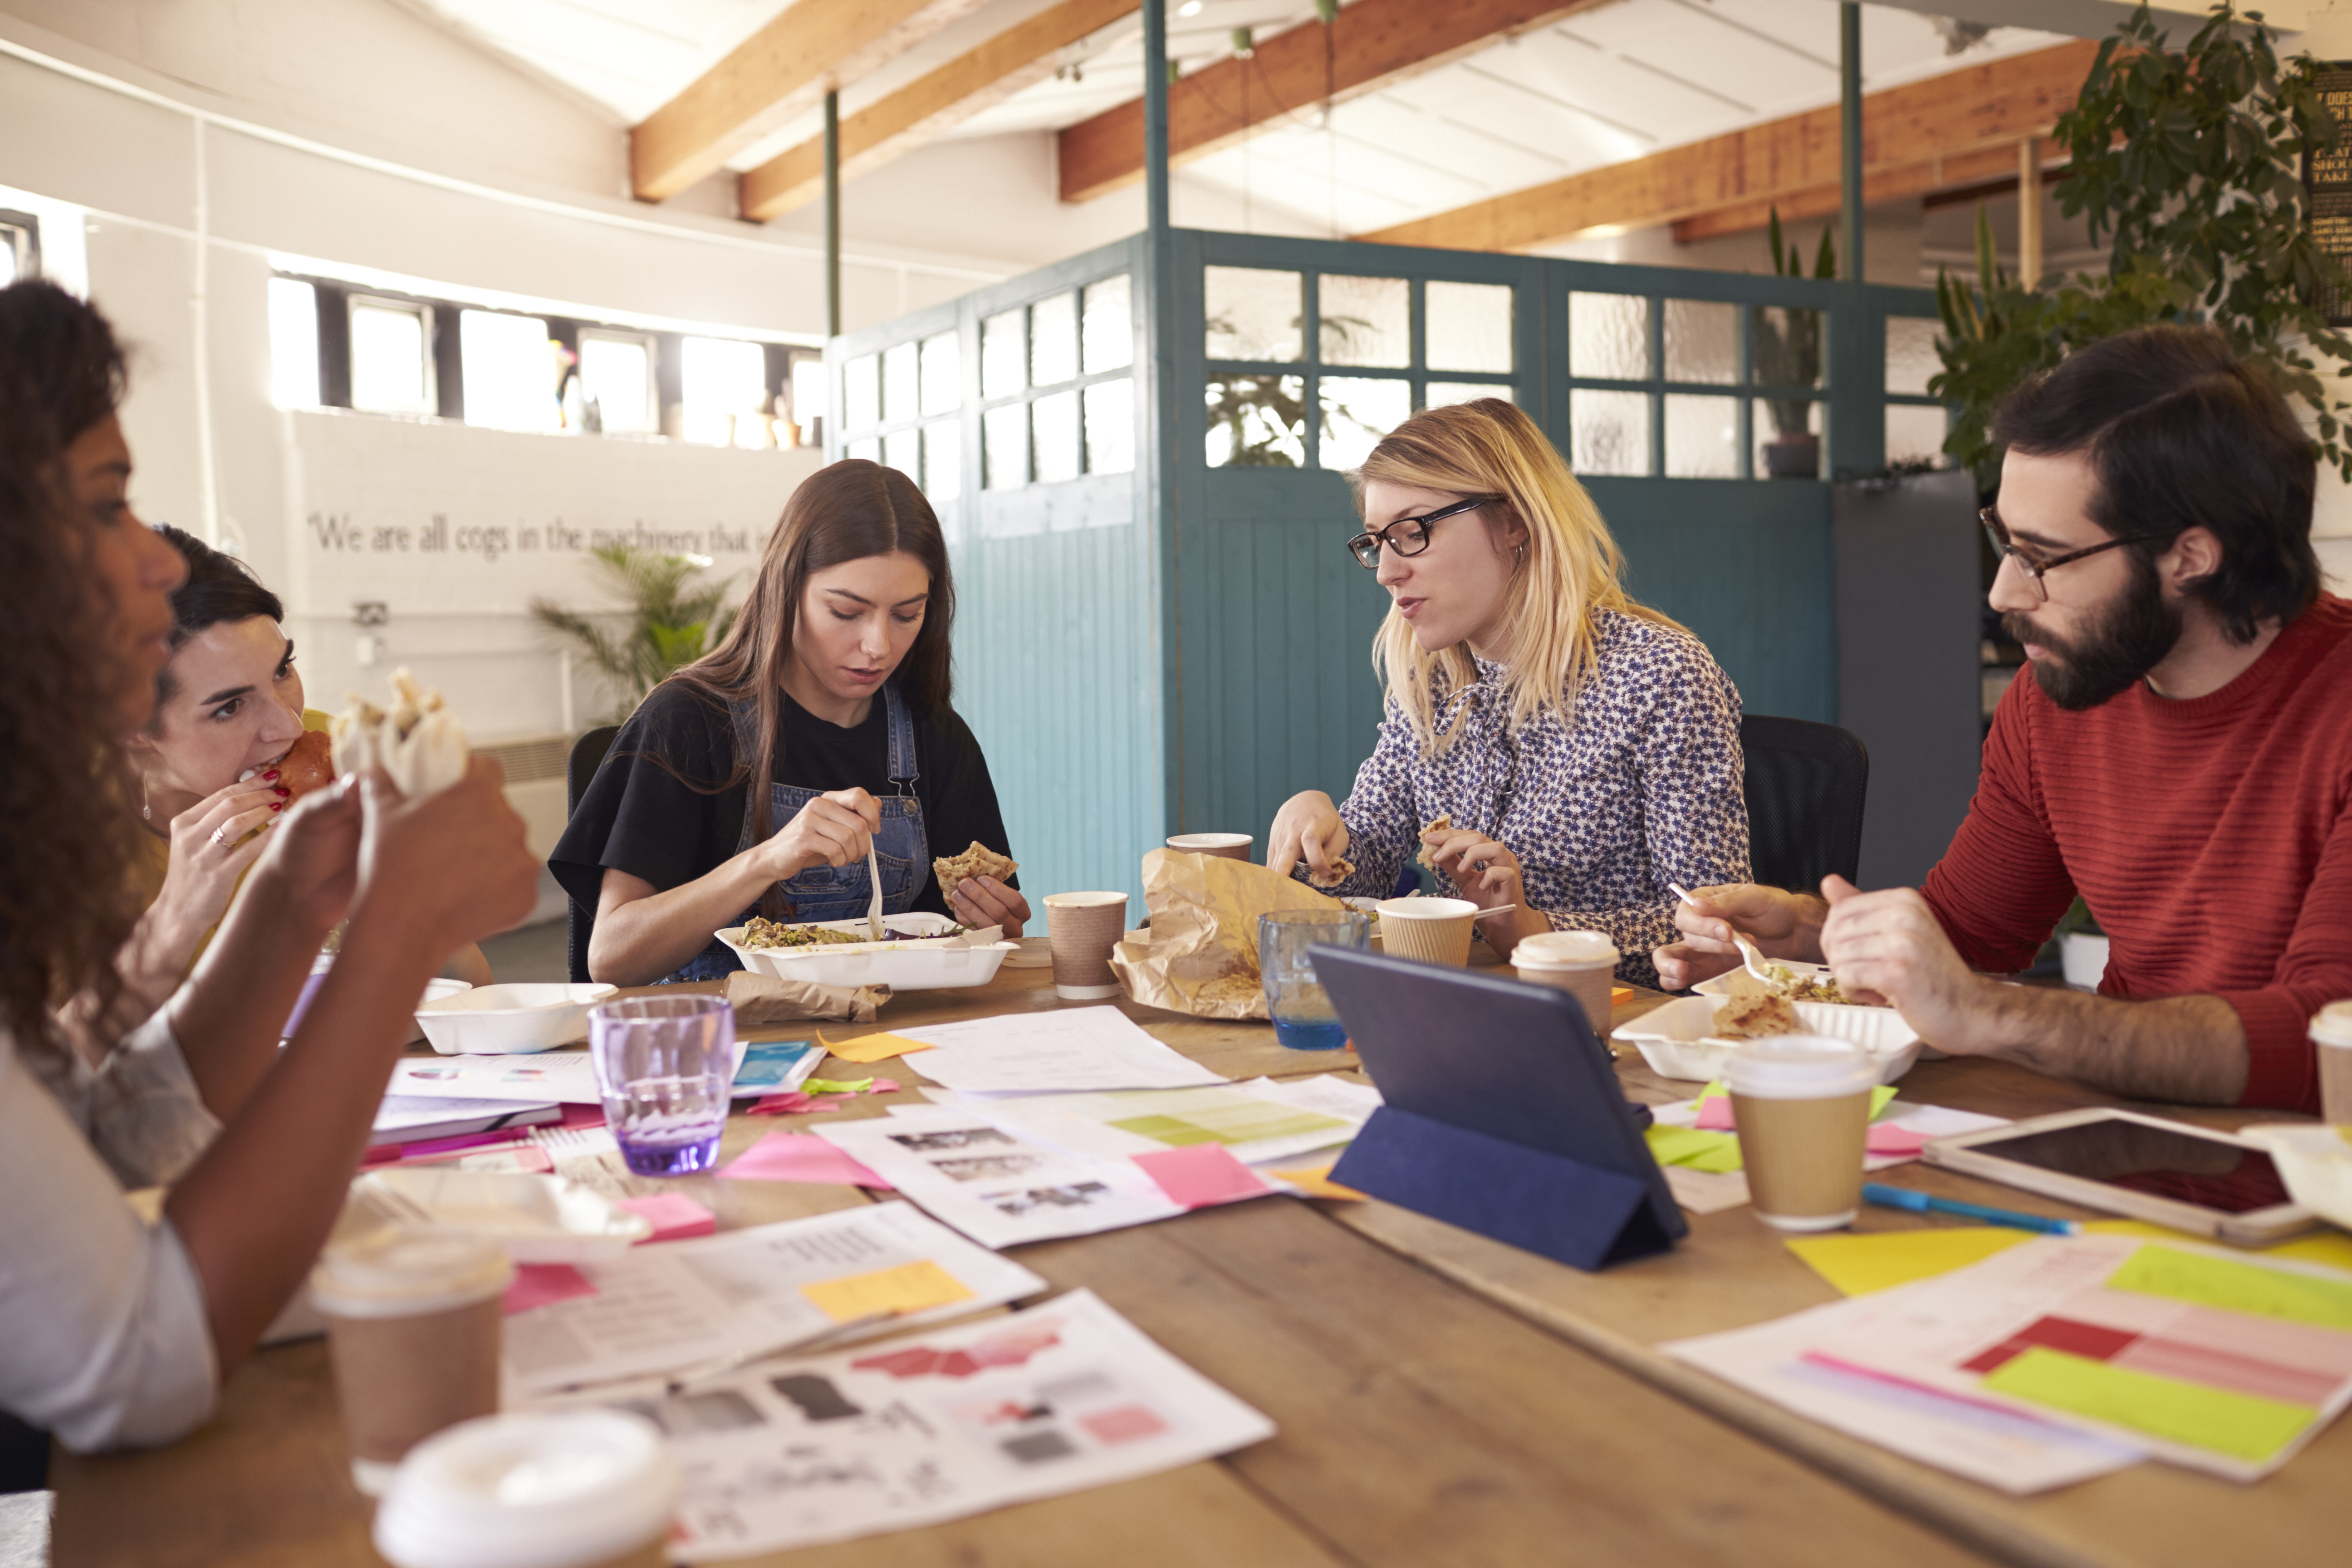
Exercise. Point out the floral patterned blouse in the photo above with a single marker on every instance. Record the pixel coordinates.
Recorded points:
(1641, 787)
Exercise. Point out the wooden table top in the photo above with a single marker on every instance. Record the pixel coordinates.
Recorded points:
(1439, 1398)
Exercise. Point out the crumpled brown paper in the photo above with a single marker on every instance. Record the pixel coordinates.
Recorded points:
(765, 999)
(1199, 956)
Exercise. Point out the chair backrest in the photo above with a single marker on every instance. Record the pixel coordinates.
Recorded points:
(580, 922)
(1806, 785)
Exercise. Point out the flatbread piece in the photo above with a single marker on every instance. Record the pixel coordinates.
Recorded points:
(979, 860)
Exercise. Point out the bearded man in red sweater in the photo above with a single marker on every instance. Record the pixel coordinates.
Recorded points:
(2181, 757)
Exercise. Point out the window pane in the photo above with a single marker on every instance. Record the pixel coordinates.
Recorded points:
(1915, 433)
(943, 460)
(1004, 354)
(1788, 347)
(724, 384)
(1470, 327)
(1366, 321)
(616, 374)
(1610, 432)
(1110, 428)
(1054, 340)
(861, 393)
(389, 363)
(1910, 356)
(1053, 423)
(1701, 341)
(1257, 421)
(293, 337)
(1608, 336)
(903, 450)
(8, 270)
(808, 391)
(1702, 436)
(942, 374)
(1782, 452)
(869, 449)
(509, 372)
(1357, 412)
(1109, 325)
(901, 383)
(1252, 314)
(1442, 393)
(1004, 446)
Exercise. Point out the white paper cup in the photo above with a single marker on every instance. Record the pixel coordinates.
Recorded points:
(574, 1489)
(1435, 930)
(1581, 963)
(1224, 846)
(1082, 928)
(2331, 1035)
(1803, 1104)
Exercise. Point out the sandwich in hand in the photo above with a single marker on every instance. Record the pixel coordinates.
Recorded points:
(417, 743)
(979, 860)
(307, 765)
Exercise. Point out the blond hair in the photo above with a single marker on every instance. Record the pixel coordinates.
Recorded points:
(1569, 567)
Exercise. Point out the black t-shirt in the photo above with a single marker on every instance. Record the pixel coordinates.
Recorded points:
(640, 817)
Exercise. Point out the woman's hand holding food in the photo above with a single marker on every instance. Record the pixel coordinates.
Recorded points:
(1485, 870)
(441, 871)
(1782, 925)
(1308, 828)
(834, 829)
(985, 901)
(311, 866)
(213, 842)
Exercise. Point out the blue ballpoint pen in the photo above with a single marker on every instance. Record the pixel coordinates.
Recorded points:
(1923, 1203)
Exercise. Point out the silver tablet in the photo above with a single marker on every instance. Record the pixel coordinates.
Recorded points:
(2189, 1178)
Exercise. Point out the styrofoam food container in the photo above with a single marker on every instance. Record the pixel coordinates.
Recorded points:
(507, 1020)
(2315, 1160)
(901, 965)
(537, 1219)
(1677, 1042)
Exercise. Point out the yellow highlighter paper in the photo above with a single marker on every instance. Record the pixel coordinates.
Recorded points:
(1858, 1265)
(872, 1048)
(2242, 1426)
(914, 1286)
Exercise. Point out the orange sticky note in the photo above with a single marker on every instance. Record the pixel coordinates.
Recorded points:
(1621, 993)
(873, 1048)
(1317, 1183)
(910, 1287)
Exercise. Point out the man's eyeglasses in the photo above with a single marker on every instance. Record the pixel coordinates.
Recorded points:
(2008, 549)
(1407, 535)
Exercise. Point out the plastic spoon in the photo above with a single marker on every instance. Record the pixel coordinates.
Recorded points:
(873, 905)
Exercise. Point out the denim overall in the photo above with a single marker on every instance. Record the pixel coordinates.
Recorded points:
(824, 893)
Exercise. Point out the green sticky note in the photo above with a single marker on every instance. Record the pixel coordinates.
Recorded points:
(1689, 1147)
(2235, 1287)
(1231, 1125)
(2194, 1414)
(1880, 1097)
(837, 1085)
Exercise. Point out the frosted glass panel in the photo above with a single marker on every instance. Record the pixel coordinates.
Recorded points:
(1109, 325)
(1366, 321)
(1910, 356)
(1054, 340)
(901, 382)
(1054, 427)
(1469, 326)
(508, 373)
(1004, 354)
(1257, 421)
(1610, 432)
(942, 374)
(1787, 350)
(861, 393)
(1442, 393)
(1004, 446)
(903, 450)
(1357, 412)
(1110, 428)
(1701, 341)
(943, 460)
(1915, 433)
(1702, 436)
(616, 373)
(1252, 314)
(1608, 336)
(1795, 462)
(870, 449)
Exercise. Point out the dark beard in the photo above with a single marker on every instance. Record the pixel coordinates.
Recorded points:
(2132, 637)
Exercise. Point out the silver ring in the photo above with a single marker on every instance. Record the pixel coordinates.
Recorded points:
(220, 834)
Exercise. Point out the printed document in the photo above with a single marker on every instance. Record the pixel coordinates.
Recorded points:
(1265, 1119)
(1045, 1053)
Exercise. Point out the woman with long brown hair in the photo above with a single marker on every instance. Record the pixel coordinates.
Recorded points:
(826, 706)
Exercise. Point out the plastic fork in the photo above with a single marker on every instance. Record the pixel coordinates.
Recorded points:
(873, 905)
(1750, 954)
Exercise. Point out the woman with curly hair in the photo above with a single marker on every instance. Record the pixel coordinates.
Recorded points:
(119, 1333)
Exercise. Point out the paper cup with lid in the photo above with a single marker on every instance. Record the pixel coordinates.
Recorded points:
(1802, 1105)
(2331, 1038)
(1581, 963)
(569, 1488)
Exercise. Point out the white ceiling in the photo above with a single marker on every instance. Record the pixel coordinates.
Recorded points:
(1618, 81)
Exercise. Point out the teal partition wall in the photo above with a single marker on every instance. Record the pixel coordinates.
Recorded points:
(1158, 630)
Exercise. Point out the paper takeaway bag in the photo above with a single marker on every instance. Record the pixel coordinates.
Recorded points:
(1199, 956)
(765, 999)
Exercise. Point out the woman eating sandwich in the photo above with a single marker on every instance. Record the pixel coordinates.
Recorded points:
(815, 740)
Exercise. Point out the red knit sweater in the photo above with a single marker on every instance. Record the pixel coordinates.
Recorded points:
(2212, 839)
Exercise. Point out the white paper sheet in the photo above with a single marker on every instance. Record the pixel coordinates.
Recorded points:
(660, 1309)
(1065, 1397)
(1265, 1119)
(993, 1182)
(765, 1066)
(1045, 1053)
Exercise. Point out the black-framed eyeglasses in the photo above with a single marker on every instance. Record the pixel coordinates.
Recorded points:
(1407, 535)
(2008, 549)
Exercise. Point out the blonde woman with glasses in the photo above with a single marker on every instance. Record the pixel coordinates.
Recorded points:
(1584, 749)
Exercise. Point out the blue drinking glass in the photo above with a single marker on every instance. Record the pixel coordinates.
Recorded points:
(1304, 1019)
(665, 1067)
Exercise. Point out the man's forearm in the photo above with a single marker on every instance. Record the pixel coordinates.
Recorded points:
(2187, 1048)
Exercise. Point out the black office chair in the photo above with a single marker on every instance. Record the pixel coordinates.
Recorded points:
(1806, 782)
(579, 919)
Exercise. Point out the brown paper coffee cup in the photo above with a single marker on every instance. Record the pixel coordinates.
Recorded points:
(1435, 930)
(413, 1320)
(1802, 1105)
(2331, 1038)
(1082, 928)
(1581, 963)
(1224, 845)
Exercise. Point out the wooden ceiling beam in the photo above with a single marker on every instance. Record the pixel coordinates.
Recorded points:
(1921, 179)
(783, 69)
(1015, 58)
(1957, 114)
(1373, 43)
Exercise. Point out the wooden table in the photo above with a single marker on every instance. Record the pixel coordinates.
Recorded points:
(1439, 1398)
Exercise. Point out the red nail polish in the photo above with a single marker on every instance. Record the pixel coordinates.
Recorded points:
(270, 774)
(276, 805)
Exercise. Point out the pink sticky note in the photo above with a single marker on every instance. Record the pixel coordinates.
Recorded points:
(1715, 1114)
(883, 1086)
(1202, 1173)
(676, 1217)
(1888, 1140)
(581, 1115)
(793, 1102)
(544, 1284)
(799, 1157)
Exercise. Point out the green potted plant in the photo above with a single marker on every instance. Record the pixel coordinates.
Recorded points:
(1788, 353)
(672, 621)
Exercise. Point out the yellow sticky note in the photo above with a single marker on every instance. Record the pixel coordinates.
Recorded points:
(910, 1287)
(873, 1048)
(2235, 1287)
(2196, 1414)
(2330, 1248)
(1857, 1265)
(1317, 1183)
(1716, 1151)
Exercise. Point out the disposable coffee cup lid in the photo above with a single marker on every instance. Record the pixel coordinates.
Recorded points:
(1799, 1066)
(1083, 901)
(2332, 1024)
(1565, 949)
(530, 1490)
(403, 1271)
(1413, 909)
